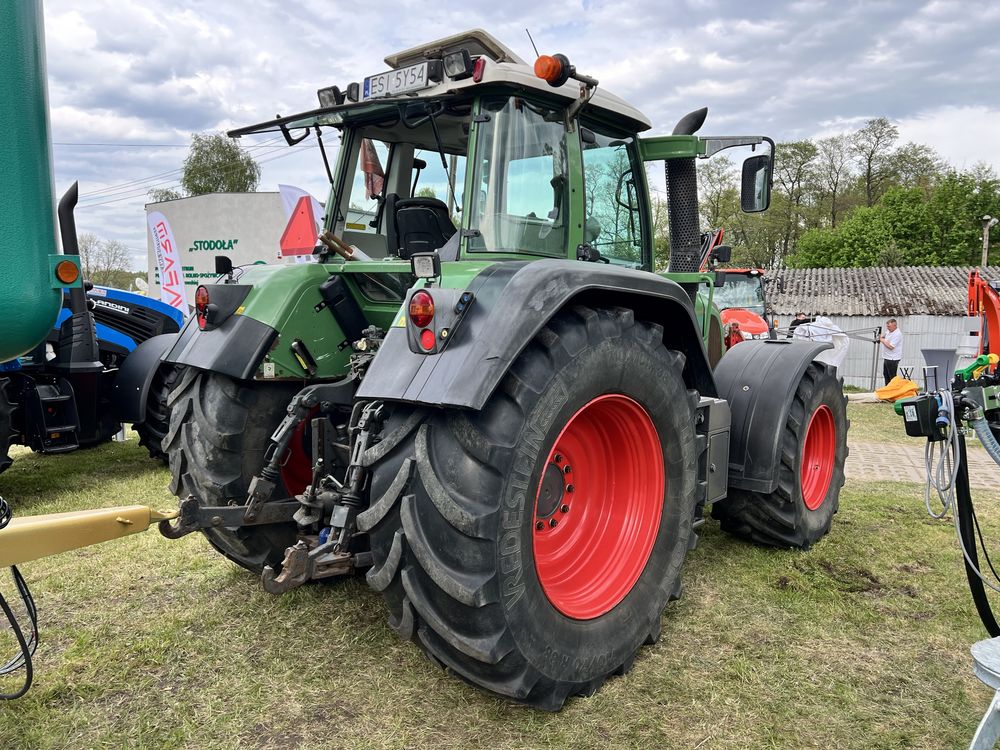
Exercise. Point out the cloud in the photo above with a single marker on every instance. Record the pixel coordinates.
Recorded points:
(153, 72)
(963, 135)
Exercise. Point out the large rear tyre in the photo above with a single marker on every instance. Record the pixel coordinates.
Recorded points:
(157, 423)
(7, 431)
(219, 432)
(813, 450)
(532, 546)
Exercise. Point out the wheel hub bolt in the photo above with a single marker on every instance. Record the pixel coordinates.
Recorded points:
(557, 458)
(564, 508)
(539, 525)
(567, 469)
(553, 522)
(570, 488)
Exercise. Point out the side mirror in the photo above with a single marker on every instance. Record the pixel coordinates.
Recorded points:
(755, 188)
(722, 254)
(223, 265)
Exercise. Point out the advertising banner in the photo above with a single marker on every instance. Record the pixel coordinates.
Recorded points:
(168, 261)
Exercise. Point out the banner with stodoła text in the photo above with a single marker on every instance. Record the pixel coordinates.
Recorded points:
(168, 261)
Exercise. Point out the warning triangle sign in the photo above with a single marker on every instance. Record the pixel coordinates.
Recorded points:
(299, 237)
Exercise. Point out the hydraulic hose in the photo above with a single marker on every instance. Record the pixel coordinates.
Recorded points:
(985, 435)
(965, 520)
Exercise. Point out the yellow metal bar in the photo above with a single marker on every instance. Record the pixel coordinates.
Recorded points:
(32, 537)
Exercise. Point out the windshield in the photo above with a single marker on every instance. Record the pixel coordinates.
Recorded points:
(741, 291)
(520, 200)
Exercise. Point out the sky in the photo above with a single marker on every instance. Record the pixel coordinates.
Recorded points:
(129, 82)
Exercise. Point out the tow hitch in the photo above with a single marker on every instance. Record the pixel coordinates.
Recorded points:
(195, 517)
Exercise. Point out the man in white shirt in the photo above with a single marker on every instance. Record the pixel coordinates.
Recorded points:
(892, 349)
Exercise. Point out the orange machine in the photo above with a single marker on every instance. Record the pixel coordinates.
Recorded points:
(984, 303)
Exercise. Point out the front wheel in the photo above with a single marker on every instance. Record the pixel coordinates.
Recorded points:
(154, 428)
(532, 546)
(798, 513)
(219, 431)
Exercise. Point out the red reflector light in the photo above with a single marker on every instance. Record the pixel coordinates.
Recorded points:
(427, 339)
(422, 309)
(478, 68)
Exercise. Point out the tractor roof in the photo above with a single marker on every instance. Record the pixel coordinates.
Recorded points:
(503, 69)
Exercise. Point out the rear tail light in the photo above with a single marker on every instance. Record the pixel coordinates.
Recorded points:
(201, 302)
(478, 69)
(421, 309)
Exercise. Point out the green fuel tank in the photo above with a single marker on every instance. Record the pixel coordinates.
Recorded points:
(30, 300)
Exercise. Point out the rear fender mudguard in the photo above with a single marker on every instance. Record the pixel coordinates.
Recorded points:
(513, 301)
(131, 386)
(759, 379)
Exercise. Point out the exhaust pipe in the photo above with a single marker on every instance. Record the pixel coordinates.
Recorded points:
(78, 350)
(682, 202)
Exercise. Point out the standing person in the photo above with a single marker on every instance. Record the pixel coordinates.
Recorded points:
(734, 335)
(800, 318)
(892, 349)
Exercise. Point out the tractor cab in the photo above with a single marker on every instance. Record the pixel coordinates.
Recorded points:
(741, 299)
(463, 148)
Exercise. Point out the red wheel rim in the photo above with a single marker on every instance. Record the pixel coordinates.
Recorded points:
(818, 456)
(296, 469)
(602, 486)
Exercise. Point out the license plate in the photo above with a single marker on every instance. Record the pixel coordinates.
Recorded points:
(411, 78)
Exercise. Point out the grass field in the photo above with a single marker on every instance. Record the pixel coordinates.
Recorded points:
(861, 642)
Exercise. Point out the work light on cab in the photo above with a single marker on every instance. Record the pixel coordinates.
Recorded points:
(458, 65)
(421, 309)
(201, 302)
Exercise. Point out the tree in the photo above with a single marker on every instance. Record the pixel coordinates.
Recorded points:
(871, 145)
(217, 164)
(833, 170)
(105, 262)
(159, 195)
(794, 176)
(214, 164)
(916, 165)
(426, 192)
(718, 192)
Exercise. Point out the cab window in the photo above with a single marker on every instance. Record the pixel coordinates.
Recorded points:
(368, 186)
(613, 225)
(520, 201)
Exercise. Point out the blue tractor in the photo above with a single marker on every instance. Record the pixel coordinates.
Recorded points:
(77, 388)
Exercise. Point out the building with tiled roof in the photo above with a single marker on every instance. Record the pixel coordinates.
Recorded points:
(880, 292)
(929, 303)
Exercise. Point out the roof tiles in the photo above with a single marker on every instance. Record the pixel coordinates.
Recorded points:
(887, 291)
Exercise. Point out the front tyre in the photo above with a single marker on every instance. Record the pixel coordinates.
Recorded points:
(799, 512)
(532, 546)
(154, 428)
(219, 431)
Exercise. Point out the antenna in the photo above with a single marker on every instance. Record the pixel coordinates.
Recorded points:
(532, 42)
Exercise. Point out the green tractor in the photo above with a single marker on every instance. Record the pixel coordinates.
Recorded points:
(506, 418)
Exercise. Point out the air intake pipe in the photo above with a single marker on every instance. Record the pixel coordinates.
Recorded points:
(682, 202)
